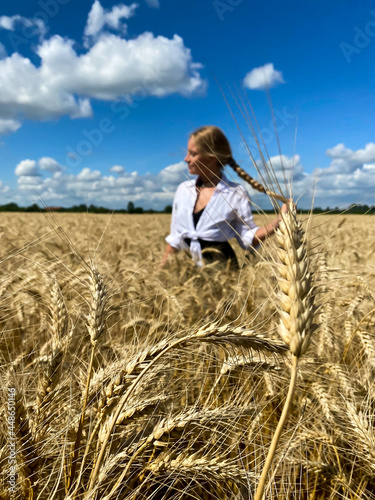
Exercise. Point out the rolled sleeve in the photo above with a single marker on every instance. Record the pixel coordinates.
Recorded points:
(244, 225)
(174, 238)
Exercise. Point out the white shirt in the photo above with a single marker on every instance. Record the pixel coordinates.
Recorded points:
(227, 215)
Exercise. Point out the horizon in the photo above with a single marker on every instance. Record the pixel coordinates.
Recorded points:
(97, 100)
(131, 209)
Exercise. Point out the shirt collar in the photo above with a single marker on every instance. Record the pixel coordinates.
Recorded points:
(223, 185)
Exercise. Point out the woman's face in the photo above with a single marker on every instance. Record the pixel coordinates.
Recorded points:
(199, 164)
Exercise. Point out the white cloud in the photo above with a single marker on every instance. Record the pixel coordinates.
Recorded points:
(7, 126)
(263, 77)
(87, 175)
(349, 178)
(37, 93)
(344, 160)
(99, 18)
(49, 164)
(172, 174)
(112, 69)
(11, 24)
(7, 23)
(3, 189)
(27, 182)
(27, 168)
(286, 169)
(91, 186)
(353, 182)
(118, 169)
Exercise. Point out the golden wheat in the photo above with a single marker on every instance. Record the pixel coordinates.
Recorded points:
(199, 420)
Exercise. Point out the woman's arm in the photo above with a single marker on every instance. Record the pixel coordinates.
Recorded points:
(247, 233)
(173, 238)
(263, 232)
(168, 251)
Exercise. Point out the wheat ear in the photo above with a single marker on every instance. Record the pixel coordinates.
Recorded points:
(218, 335)
(58, 323)
(173, 428)
(29, 455)
(96, 326)
(296, 298)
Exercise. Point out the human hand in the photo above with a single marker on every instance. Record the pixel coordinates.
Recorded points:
(289, 205)
(286, 207)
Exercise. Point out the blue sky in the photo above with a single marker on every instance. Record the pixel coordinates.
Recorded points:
(97, 99)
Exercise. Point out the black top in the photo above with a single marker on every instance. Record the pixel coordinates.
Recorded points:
(197, 216)
(226, 251)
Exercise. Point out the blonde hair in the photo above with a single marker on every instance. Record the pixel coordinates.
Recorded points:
(212, 142)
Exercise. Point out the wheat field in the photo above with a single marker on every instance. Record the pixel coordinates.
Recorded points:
(121, 380)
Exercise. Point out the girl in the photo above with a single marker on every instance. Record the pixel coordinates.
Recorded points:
(211, 209)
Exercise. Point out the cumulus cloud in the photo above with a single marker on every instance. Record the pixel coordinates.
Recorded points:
(285, 168)
(345, 161)
(117, 169)
(91, 186)
(44, 95)
(352, 180)
(8, 126)
(99, 18)
(27, 168)
(49, 164)
(34, 26)
(173, 173)
(263, 77)
(65, 81)
(350, 176)
(3, 189)
(27, 182)
(87, 175)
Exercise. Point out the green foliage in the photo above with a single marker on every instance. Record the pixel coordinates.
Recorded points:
(132, 209)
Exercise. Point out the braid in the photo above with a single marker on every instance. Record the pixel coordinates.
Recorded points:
(245, 176)
(211, 142)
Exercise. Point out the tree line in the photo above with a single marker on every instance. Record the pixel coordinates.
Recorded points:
(132, 209)
(82, 208)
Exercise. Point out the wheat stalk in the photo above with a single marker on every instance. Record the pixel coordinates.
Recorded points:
(297, 310)
(220, 335)
(61, 339)
(96, 326)
(30, 460)
(329, 454)
(172, 428)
